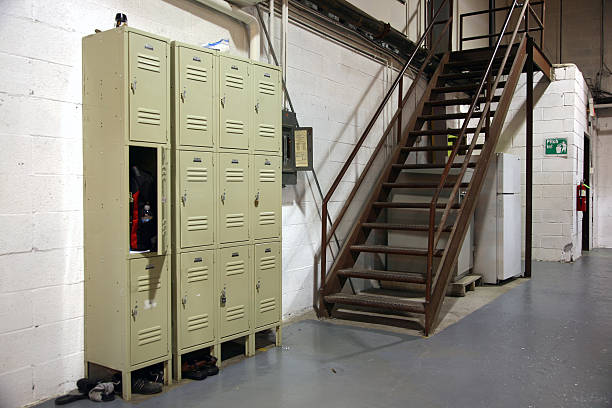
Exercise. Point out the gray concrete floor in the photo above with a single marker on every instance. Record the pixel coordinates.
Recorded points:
(544, 343)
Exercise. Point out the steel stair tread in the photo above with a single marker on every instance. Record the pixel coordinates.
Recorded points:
(380, 302)
(392, 276)
(460, 101)
(429, 166)
(462, 88)
(401, 227)
(386, 204)
(385, 249)
(477, 74)
(421, 185)
(438, 148)
(448, 116)
(448, 131)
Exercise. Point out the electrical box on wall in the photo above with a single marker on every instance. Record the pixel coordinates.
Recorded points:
(297, 148)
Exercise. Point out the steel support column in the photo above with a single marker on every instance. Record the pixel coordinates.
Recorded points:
(529, 159)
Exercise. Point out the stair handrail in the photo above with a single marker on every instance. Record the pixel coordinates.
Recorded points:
(434, 234)
(325, 235)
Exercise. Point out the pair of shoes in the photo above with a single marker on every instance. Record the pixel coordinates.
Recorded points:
(142, 386)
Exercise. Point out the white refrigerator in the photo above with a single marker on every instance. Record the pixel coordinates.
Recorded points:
(497, 221)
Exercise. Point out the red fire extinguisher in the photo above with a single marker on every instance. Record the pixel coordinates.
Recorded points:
(581, 197)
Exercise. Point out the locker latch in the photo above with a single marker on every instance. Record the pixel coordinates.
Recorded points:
(223, 197)
(258, 285)
(183, 95)
(223, 101)
(223, 297)
(133, 86)
(257, 199)
(135, 312)
(184, 198)
(257, 107)
(184, 300)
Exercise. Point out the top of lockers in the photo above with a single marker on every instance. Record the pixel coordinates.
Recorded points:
(132, 68)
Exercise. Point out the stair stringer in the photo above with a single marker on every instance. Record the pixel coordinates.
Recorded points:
(333, 283)
(455, 241)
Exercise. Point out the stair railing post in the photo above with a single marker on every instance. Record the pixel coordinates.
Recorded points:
(529, 159)
(400, 105)
(323, 250)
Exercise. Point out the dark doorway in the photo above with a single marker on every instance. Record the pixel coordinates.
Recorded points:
(586, 175)
(445, 12)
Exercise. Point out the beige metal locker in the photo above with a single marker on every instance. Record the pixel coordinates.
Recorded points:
(196, 92)
(148, 70)
(234, 269)
(267, 264)
(149, 304)
(126, 88)
(234, 108)
(266, 199)
(197, 203)
(197, 300)
(234, 197)
(267, 116)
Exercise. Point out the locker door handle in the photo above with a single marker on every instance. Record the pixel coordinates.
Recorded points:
(184, 198)
(257, 107)
(133, 86)
(223, 297)
(258, 285)
(184, 300)
(183, 95)
(223, 197)
(135, 312)
(223, 101)
(257, 199)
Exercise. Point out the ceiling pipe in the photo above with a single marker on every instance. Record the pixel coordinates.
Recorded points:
(252, 25)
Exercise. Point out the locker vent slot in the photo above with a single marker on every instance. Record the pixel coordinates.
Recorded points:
(235, 312)
(266, 130)
(234, 175)
(267, 176)
(267, 262)
(145, 283)
(196, 122)
(267, 218)
(150, 335)
(266, 87)
(267, 305)
(234, 81)
(197, 174)
(197, 223)
(197, 322)
(234, 220)
(148, 62)
(234, 126)
(234, 268)
(148, 116)
(196, 73)
(197, 273)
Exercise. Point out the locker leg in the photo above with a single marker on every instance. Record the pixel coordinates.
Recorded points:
(178, 372)
(216, 352)
(250, 345)
(167, 372)
(126, 385)
(86, 369)
(279, 339)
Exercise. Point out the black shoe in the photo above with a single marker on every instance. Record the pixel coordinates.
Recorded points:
(211, 370)
(142, 386)
(195, 374)
(68, 398)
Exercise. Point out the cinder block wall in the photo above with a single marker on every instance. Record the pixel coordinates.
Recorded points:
(334, 89)
(560, 111)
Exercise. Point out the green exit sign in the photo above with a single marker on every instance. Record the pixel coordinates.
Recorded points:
(556, 145)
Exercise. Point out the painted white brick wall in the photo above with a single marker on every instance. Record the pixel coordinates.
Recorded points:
(335, 90)
(559, 111)
(603, 191)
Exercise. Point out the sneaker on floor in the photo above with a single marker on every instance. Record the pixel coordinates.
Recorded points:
(142, 386)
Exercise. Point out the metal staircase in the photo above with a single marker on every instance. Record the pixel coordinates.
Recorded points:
(473, 89)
